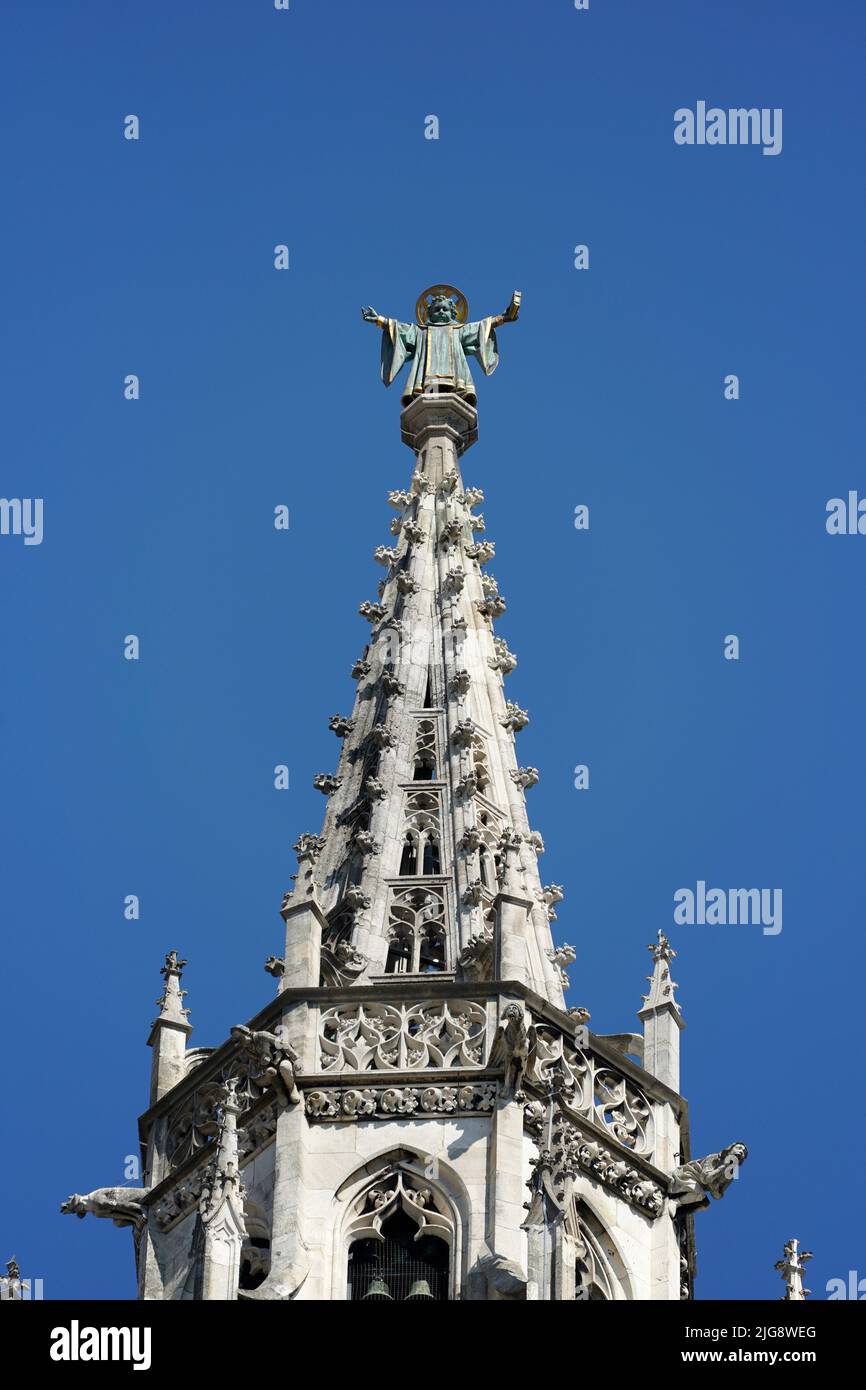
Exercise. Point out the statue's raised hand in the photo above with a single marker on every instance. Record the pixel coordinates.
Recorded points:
(369, 314)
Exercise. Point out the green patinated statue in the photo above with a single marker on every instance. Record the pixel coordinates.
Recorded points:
(438, 344)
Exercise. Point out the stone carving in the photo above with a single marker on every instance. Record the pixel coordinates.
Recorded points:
(505, 1276)
(510, 1049)
(555, 1065)
(460, 682)
(308, 846)
(482, 551)
(551, 894)
(535, 841)
(360, 669)
(463, 733)
(341, 726)
(410, 1037)
(413, 531)
(504, 660)
(476, 958)
(451, 532)
(477, 523)
(525, 777)
(341, 963)
(272, 1061)
(391, 684)
(374, 789)
(450, 480)
(326, 783)
(454, 581)
(562, 957)
(623, 1110)
(356, 899)
(399, 499)
(122, 1205)
(373, 612)
(380, 736)
(406, 584)
(693, 1185)
(276, 966)
(489, 585)
(575, 1152)
(514, 718)
(472, 496)
(385, 555)
(470, 839)
(366, 842)
(579, 1014)
(259, 1130)
(473, 893)
(492, 607)
(468, 785)
(380, 1102)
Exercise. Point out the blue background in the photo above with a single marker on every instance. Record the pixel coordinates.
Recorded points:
(260, 388)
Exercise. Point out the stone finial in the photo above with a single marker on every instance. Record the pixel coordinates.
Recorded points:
(661, 985)
(171, 1000)
(399, 499)
(478, 523)
(482, 551)
(791, 1270)
(224, 1176)
(472, 496)
(360, 669)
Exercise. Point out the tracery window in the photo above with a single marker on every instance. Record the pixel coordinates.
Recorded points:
(422, 841)
(402, 1247)
(416, 932)
(425, 751)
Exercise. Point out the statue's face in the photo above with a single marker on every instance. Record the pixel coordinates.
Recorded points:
(441, 309)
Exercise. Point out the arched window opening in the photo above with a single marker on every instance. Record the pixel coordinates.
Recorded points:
(402, 1247)
(416, 932)
(425, 751)
(431, 862)
(486, 869)
(409, 861)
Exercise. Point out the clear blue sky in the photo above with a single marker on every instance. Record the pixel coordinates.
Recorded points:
(259, 388)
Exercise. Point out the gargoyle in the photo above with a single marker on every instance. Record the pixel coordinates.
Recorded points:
(274, 1060)
(121, 1204)
(694, 1184)
(510, 1048)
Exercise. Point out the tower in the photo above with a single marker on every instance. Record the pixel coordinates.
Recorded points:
(417, 1114)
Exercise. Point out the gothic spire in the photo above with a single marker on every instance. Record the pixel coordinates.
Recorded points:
(791, 1269)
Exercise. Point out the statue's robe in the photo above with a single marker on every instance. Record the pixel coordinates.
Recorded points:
(437, 355)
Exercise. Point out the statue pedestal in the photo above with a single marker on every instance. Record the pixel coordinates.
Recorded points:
(441, 414)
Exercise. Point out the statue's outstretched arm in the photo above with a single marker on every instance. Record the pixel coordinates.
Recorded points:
(369, 315)
(511, 312)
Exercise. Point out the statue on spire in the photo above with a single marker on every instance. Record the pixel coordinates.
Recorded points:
(439, 342)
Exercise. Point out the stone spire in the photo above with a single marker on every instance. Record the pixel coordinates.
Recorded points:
(169, 1031)
(662, 1018)
(791, 1269)
(221, 1206)
(426, 862)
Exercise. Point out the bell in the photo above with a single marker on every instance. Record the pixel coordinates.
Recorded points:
(420, 1289)
(378, 1289)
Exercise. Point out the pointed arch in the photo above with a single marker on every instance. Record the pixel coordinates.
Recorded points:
(397, 1184)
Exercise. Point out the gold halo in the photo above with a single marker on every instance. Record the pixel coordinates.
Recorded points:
(462, 304)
